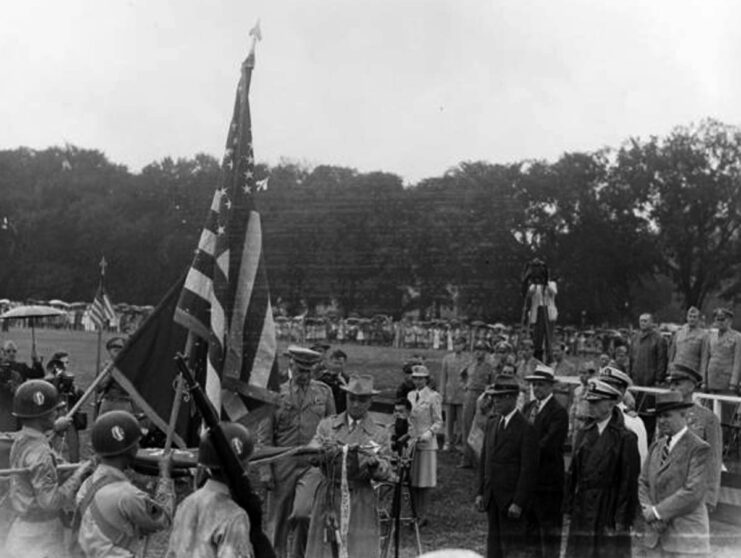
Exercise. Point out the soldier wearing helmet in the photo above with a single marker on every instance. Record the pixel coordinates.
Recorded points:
(209, 523)
(114, 514)
(39, 497)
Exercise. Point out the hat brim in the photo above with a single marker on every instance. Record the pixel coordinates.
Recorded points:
(696, 381)
(371, 392)
(501, 391)
(669, 407)
(540, 379)
(601, 397)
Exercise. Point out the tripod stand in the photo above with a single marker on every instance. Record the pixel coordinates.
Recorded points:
(391, 522)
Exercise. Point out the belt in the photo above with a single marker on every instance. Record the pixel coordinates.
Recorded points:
(38, 516)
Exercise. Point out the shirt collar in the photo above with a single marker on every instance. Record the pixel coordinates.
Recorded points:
(104, 470)
(543, 403)
(509, 416)
(216, 486)
(33, 433)
(676, 437)
(603, 424)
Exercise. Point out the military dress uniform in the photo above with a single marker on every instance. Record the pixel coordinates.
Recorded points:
(120, 514)
(294, 481)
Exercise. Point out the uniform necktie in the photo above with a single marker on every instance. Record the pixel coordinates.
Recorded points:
(665, 450)
(417, 400)
(353, 422)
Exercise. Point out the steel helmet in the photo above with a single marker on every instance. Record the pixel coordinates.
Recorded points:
(35, 398)
(114, 433)
(239, 439)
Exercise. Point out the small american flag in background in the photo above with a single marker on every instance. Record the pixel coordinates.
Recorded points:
(101, 311)
(225, 298)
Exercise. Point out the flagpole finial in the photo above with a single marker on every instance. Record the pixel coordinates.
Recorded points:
(103, 265)
(256, 34)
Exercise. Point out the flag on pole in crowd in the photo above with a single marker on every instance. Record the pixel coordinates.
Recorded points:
(101, 310)
(226, 299)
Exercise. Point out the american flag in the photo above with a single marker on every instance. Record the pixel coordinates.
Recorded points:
(101, 311)
(225, 298)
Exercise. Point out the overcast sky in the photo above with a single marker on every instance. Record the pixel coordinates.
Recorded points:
(411, 87)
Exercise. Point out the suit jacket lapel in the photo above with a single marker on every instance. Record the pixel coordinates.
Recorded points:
(677, 453)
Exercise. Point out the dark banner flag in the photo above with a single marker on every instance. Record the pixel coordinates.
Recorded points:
(225, 299)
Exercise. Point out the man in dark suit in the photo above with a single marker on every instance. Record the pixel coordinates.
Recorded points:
(551, 422)
(507, 472)
(672, 485)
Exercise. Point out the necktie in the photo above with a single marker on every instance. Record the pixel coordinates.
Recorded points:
(351, 427)
(417, 400)
(665, 450)
(534, 411)
(500, 428)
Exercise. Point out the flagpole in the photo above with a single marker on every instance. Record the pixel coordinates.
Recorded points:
(103, 264)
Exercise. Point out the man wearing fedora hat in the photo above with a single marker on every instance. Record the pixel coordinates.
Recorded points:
(477, 376)
(602, 482)
(292, 482)
(507, 471)
(620, 380)
(672, 485)
(356, 450)
(551, 423)
(703, 423)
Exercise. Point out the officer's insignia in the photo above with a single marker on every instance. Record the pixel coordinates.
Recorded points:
(117, 433)
(39, 398)
(237, 445)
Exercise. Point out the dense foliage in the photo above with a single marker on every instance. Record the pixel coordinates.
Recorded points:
(608, 222)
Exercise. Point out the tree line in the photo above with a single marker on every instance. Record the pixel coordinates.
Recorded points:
(624, 230)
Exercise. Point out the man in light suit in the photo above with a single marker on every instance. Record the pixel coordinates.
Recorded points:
(671, 487)
(551, 423)
(702, 422)
(507, 472)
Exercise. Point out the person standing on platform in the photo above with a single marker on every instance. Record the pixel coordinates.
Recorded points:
(292, 483)
(672, 485)
(452, 392)
(722, 370)
(507, 472)
(477, 376)
(551, 422)
(689, 345)
(704, 424)
(426, 420)
(38, 498)
(602, 484)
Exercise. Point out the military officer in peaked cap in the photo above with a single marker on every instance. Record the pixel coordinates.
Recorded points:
(602, 485)
(293, 482)
(620, 380)
(114, 514)
(39, 497)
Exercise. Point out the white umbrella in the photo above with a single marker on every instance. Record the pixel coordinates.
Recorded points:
(31, 313)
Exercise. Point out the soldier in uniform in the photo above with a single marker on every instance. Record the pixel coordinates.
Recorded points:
(451, 391)
(344, 520)
(209, 523)
(293, 482)
(114, 514)
(703, 422)
(38, 498)
(113, 397)
(478, 375)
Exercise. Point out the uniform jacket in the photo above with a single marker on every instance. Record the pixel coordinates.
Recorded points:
(509, 463)
(689, 347)
(677, 490)
(551, 428)
(601, 490)
(132, 512)
(706, 426)
(426, 416)
(209, 524)
(723, 366)
(451, 385)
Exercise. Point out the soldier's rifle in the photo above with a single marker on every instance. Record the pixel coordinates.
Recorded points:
(235, 473)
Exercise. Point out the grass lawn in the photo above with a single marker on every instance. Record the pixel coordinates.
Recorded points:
(453, 521)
